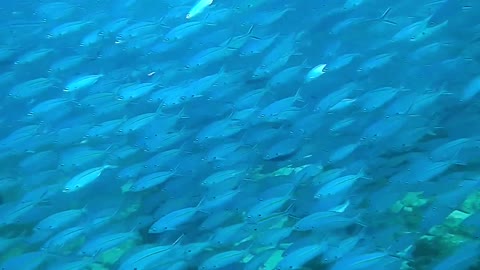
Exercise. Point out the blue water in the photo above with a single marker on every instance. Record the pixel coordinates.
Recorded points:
(247, 134)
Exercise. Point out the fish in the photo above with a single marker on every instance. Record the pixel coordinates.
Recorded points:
(198, 8)
(150, 181)
(301, 256)
(106, 242)
(60, 219)
(82, 82)
(147, 255)
(325, 220)
(85, 178)
(315, 72)
(202, 134)
(174, 219)
(223, 259)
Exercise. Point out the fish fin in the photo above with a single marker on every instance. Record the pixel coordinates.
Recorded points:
(383, 18)
(182, 115)
(200, 203)
(298, 96)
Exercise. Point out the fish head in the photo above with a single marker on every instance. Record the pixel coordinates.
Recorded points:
(159, 229)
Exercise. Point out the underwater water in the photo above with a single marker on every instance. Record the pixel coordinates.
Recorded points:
(240, 134)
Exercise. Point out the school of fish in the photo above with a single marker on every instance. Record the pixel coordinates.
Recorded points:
(240, 134)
